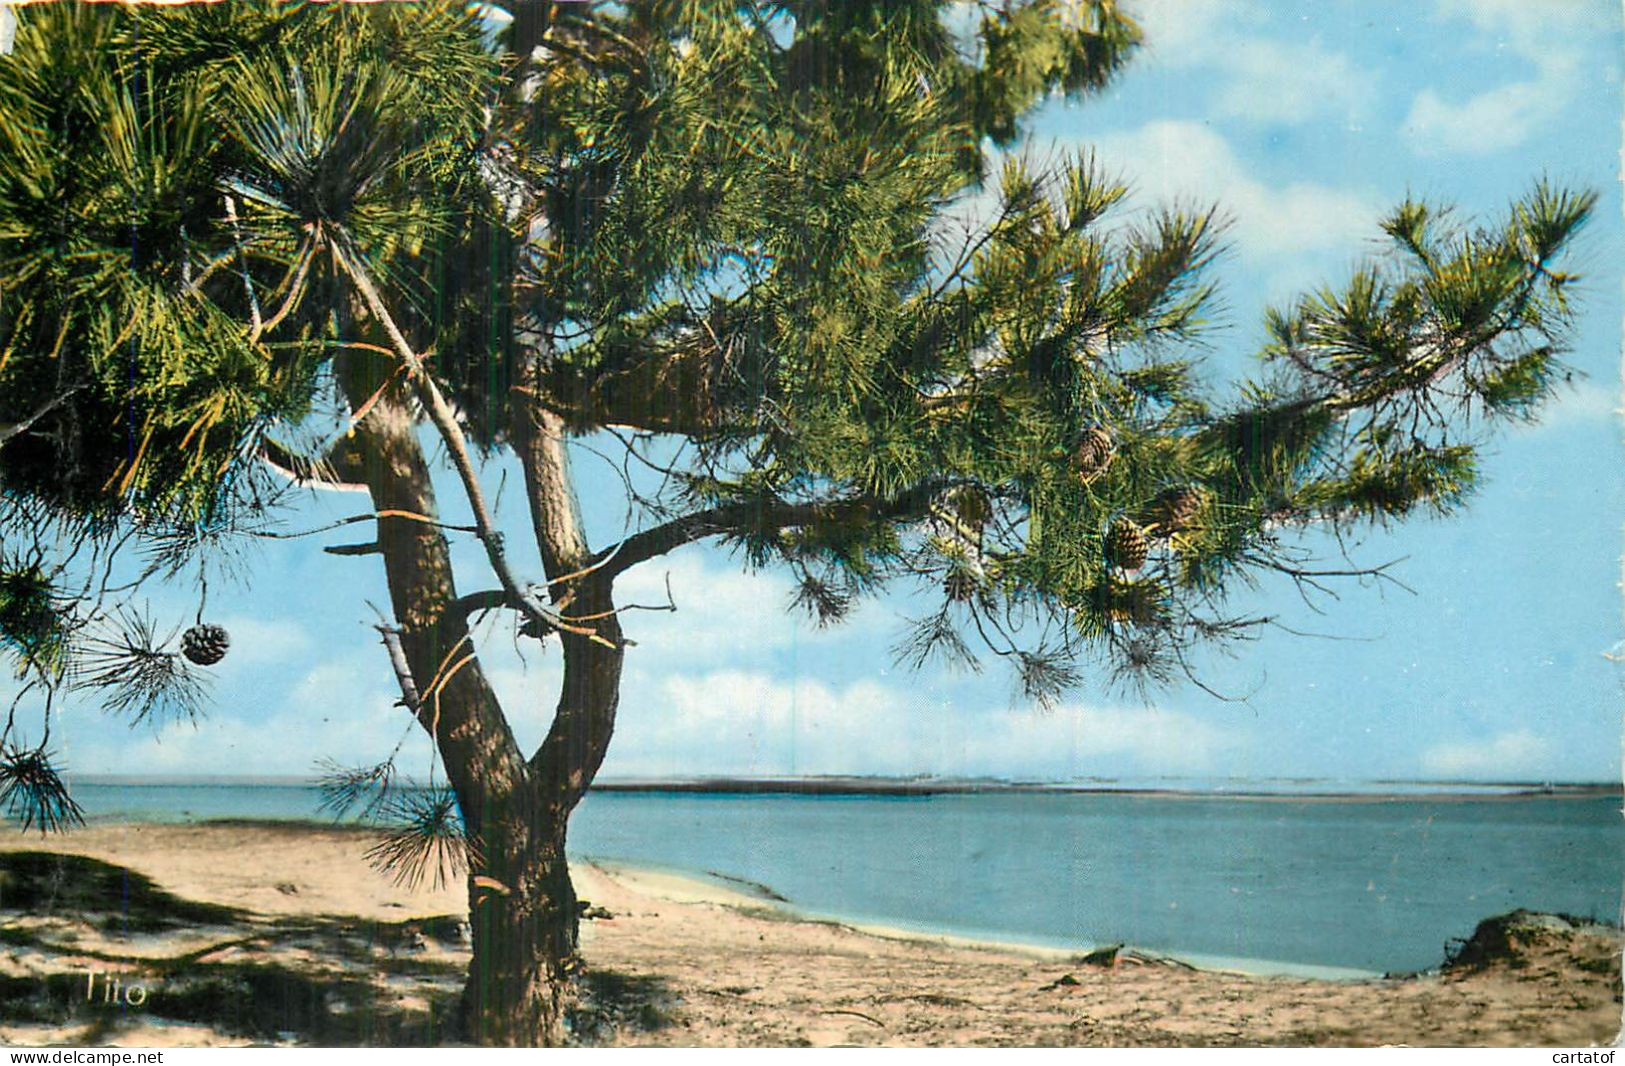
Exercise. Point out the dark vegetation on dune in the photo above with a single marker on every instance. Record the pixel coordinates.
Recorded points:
(1518, 939)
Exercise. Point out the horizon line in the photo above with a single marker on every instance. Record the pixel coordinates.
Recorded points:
(927, 784)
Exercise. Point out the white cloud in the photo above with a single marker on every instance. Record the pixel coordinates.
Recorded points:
(1547, 37)
(738, 722)
(255, 641)
(1182, 30)
(1515, 755)
(1185, 160)
(722, 611)
(1289, 84)
(1489, 122)
(1262, 78)
(1149, 740)
(528, 691)
(1531, 26)
(712, 602)
(732, 722)
(343, 708)
(1583, 402)
(1588, 400)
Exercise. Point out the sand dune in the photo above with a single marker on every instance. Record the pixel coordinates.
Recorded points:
(266, 934)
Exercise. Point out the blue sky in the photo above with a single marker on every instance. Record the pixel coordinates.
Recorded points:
(1305, 121)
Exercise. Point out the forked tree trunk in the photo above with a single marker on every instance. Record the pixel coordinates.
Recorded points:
(522, 905)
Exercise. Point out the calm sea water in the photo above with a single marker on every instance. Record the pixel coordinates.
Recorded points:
(1370, 883)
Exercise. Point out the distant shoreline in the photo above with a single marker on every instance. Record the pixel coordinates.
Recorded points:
(869, 787)
(1289, 791)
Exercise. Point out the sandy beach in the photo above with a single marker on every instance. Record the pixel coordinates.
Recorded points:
(253, 934)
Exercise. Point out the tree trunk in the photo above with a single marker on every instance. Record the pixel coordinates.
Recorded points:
(521, 903)
(524, 938)
(526, 928)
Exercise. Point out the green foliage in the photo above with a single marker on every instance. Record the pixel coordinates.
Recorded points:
(763, 230)
(33, 793)
(33, 624)
(1026, 54)
(166, 185)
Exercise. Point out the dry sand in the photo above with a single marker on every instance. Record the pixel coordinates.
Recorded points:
(257, 934)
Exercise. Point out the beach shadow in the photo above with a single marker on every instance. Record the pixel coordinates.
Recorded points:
(271, 1003)
(99, 934)
(262, 1002)
(110, 951)
(113, 898)
(610, 1002)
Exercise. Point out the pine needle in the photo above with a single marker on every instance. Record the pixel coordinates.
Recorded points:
(824, 603)
(33, 792)
(1043, 677)
(935, 638)
(343, 788)
(140, 678)
(426, 840)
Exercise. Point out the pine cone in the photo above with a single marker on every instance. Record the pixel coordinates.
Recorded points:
(1126, 545)
(971, 505)
(205, 644)
(960, 586)
(1093, 454)
(1175, 509)
(1134, 601)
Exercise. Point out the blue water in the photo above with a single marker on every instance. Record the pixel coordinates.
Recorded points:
(1367, 883)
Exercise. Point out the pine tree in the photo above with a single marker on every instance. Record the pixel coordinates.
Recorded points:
(723, 225)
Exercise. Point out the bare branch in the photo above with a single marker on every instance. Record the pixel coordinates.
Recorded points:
(1309, 576)
(371, 547)
(762, 515)
(487, 600)
(398, 663)
(11, 430)
(411, 516)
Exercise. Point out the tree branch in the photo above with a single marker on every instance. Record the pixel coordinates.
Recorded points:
(371, 547)
(397, 662)
(12, 430)
(762, 515)
(656, 391)
(486, 600)
(333, 470)
(584, 720)
(388, 512)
